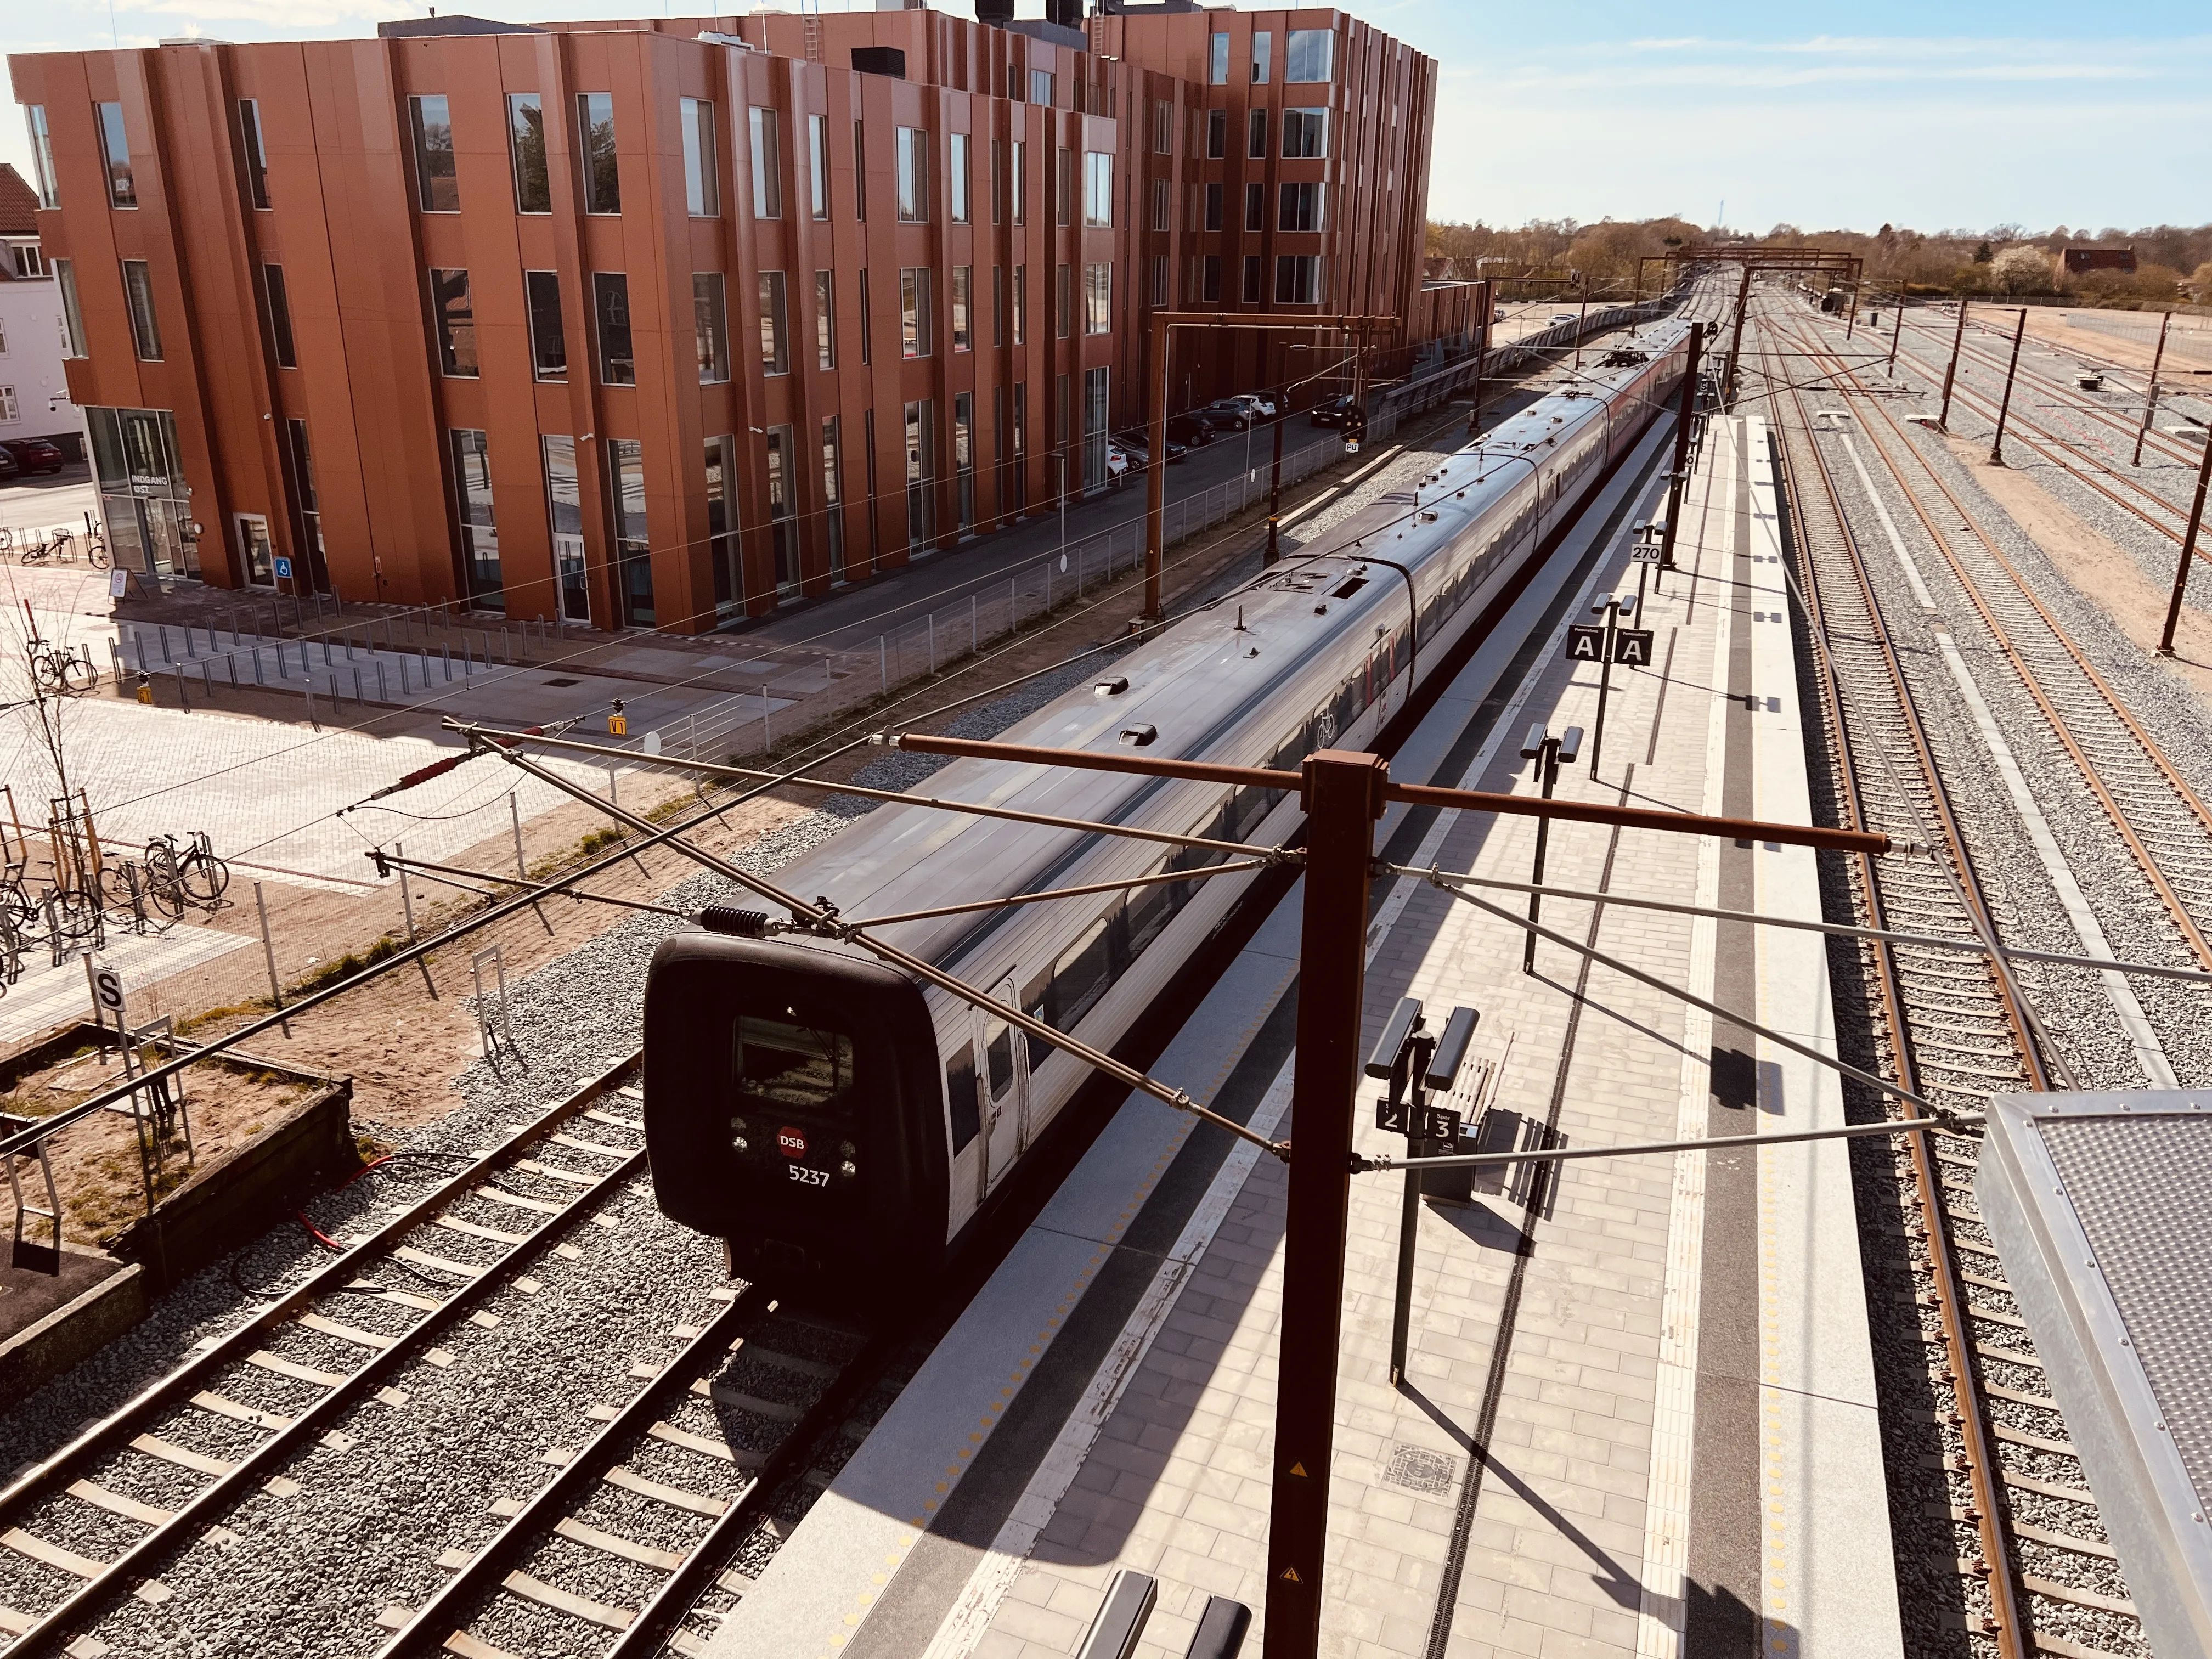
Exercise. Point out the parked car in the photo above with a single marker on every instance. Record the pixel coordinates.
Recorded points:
(1117, 464)
(1188, 429)
(35, 454)
(10, 468)
(1138, 440)
(1335, 411)
(1263, 404)
(1566, 317)
(1229, 414)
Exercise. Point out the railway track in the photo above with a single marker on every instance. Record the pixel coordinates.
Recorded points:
(2020, 1538)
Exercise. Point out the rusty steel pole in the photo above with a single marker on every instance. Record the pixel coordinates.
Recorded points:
(1344, 797)
(1896, 334)
(1951, 374)
(2150, 390)
(1156, 476)
(1735, 341)
(2004, 404)
(2188, 553)
(1676, 480)
(1481, 358)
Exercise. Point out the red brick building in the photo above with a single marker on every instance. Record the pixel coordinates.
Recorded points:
(660, 322)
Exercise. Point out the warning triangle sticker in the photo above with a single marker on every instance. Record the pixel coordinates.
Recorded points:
(1299, 1470)
(1292, 1573)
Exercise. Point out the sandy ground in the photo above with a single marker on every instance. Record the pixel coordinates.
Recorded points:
(2049, 323)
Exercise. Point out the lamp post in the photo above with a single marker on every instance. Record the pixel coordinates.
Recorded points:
(1550, 754)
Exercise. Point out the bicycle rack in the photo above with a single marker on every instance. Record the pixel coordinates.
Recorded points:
(47, 1259)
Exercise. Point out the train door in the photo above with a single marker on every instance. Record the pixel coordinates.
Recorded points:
(1005, 1090)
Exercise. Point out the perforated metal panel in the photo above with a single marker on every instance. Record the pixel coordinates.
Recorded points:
(2101, 1206)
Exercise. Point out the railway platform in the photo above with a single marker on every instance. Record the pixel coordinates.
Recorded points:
(1638, 1413)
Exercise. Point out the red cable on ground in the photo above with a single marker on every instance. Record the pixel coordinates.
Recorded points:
(323, 1238)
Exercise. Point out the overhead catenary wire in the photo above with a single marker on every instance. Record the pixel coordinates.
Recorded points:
(1955, 1123)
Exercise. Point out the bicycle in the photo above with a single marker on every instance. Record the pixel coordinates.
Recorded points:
(95, 550)
(130, 890)
(195, 877)
(56, 672)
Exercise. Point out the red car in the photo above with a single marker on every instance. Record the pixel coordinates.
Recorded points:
(35, 454)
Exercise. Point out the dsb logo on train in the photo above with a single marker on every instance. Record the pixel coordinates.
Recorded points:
(792, 1140)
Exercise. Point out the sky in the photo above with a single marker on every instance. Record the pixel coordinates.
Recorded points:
(1933, 114)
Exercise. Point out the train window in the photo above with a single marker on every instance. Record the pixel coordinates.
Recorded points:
(1149, 909)
(1081, 976)
(960, 1089)
(795, 1066)
(999, 1054)
(1033, 1002)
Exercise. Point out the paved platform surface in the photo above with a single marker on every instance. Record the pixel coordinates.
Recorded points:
(46, 996)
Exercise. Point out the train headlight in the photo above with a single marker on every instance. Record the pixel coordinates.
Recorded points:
(849, 1168)
(737, 1141)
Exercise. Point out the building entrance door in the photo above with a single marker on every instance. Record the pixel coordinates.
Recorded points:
(575, 591)
(255, 557)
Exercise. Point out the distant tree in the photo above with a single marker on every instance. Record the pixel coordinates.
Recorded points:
(1985, 254)
(2022, 270)
(2200, 281)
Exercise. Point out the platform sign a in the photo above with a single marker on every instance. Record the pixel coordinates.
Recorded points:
(1585, 644)
(1632, 646)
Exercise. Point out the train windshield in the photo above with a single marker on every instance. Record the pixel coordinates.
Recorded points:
(804, 1068)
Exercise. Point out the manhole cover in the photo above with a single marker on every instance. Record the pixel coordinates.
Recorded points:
(563, 682)
(1418, 1469)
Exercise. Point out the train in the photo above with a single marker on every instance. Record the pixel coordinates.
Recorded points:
(824, 1114)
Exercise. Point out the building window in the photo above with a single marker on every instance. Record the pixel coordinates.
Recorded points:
(998, 182)
(72, 314)
(914, 311)
(1159, 279)
(1262, 46)
(437, 183)
(1311, 57)
(1213, 207)
(1305, 134)
(710, 323)
(1255, 206)
(456, 320)
(957, 184)
(913, 175)
(702, 164)
(859, 172)
(28, 263)
(549, 344)
(963, 278)
(1217, 134)
(768, 165)
(1099, 297)
(565, 512)
(1300, 208)
(1256, 136)
(1209, 278)
(825, 319)
(633, 551)
(255, 153)
(782, 511)
(1094, 428)
(310, 515)
(1021, 305)
(775, 337)
(280, 315)
(479, 530)
(610, 310)
(139, 294)
(1097, 189)
(998, 305)
(817, 165)
(115, 151)
(963, 457)
(10, 411)
(1298, 279)
(1159, 204)
(595, 132)
(525, 147)
(1218, 63)
(721, 465)
(833, 497)
(864, 314)
(1042, 89)
(1063, 191)
(42, 155)
(1252, 280)
(920, 509)
(1063, 301)
(1163, 126)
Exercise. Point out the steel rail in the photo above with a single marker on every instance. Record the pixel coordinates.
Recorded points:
(1413, 794)
(169, 1392)
(1286, 781)
(2092, 774)
(2007, 1595)
(826, 920)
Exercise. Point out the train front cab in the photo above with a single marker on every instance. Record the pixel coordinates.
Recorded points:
(793, 1108)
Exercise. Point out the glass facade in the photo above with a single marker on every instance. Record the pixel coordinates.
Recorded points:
(479, 530)
(595, 136)
(633, 552)
(437, 182)
(564, 513)
(525, 140)
(144, 503)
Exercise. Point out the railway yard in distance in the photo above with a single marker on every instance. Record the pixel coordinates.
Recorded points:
(859, 1209)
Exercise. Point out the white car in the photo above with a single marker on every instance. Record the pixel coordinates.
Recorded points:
(1566, 317)
(1117, 464)
(1263, 409)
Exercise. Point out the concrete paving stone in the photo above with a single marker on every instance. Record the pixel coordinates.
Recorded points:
(1054, 1631)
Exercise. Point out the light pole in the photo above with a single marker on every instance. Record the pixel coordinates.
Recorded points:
(1550, 754)
(1678, 477)
(1951, 373)
(2004, 404)
(2188, 553)
(2150, 391)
